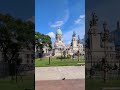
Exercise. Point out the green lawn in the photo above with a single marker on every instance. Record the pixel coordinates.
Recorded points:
(8, 84)
(97, 84)
(44, 62)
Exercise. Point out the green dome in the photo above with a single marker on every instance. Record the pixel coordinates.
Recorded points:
(59, 32)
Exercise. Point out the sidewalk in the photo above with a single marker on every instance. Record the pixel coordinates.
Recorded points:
(58, 73)
(74, 84)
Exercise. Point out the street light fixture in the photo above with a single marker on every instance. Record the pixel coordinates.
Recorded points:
(61, 53)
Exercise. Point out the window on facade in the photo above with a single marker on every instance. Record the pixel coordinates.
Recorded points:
(27, 60)
(27, 57)
(111, 48)
(21, 60)
(32, 61)
(32, 56)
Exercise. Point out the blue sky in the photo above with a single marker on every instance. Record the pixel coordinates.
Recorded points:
(69, 15)
(23, 9)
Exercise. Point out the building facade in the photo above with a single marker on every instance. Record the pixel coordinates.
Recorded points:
(100, 45)
(73, 48)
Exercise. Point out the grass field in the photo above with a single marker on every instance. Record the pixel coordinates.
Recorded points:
(26, 84)
(44, 62)
(97, 84)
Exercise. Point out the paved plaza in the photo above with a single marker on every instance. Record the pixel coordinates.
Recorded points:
(73, 84)
(58, 73)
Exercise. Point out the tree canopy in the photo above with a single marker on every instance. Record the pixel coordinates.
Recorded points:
(14, 35)
(43, 40)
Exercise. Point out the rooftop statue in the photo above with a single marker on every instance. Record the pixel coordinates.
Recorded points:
(74, 34)
(94, 20)
(78, 39)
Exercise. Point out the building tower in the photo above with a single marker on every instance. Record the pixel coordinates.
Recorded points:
(94, 34)
(59, 35)
(59, 45)
(78, 42)
(59, 40)
(74, 42)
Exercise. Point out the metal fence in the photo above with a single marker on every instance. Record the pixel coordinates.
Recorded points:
(96, 68)
(23, 68)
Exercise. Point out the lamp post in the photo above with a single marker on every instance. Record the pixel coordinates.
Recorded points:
(78, 54)
(67, 53)
(92, 32)
(61, 53)
(105, 39)
(49, 57)
(90, 51)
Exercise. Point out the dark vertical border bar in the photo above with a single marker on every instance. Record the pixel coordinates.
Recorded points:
(102, 44)
(17, 39)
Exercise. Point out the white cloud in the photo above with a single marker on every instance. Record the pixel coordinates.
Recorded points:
(51, 34)
(62, 21)
(67, 43)
(66, 16)
(57, 24)
(80, 19)
(77, 21)
(82, 16)
(80, 30)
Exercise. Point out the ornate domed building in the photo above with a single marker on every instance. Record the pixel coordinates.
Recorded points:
(59, 41)
(60, 47)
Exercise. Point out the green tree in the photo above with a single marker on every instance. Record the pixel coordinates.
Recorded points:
(42, 40)
(15, 35)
